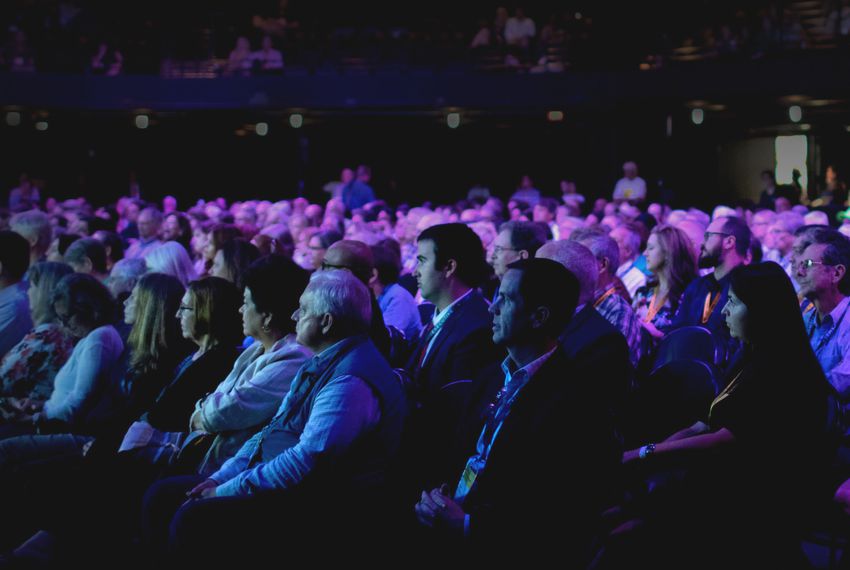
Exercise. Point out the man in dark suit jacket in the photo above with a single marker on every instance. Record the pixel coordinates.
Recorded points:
(452, 348)
(514, 496)
(599, 349)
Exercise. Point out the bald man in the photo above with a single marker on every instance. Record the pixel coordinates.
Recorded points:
(356, 257)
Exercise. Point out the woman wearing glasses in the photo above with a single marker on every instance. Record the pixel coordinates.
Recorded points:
(758, 461)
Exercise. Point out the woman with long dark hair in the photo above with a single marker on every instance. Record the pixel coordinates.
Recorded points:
(756, 463)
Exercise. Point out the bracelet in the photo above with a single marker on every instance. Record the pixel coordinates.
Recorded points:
(646, 451)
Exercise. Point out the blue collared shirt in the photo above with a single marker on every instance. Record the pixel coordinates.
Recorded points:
(515, 380)
(830, 339)
(344, 409)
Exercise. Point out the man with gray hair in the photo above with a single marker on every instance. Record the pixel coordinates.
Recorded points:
(35, 227)
(598, 348)
(780, 239)
(628, 241)
(332, 438)
(148, 222)
(610, 305)
(821, 272)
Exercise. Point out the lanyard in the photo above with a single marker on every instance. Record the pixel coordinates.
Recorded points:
(828, 336)
(655, 305)
(709, 306)
(725, 393)
(604, 296)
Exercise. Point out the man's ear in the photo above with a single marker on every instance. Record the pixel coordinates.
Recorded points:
(373, 279)
(450, 268)
(540, 316)
(327, 323)
(840, 272)
(87, 264)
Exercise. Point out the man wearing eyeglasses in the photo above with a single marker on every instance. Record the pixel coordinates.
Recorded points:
(821, 271)
(725, 246)
(516, 240)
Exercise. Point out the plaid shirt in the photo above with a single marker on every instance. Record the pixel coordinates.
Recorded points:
(618, 312)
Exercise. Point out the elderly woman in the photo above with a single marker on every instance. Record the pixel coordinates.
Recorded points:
(756, 462)
(261, 376)
(29, 368)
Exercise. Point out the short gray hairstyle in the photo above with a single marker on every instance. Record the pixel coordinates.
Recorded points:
(171, 258)
(35, 227)
(604, 247)
(344, 296)
(578, 259)
(789, 221)
(125, 274)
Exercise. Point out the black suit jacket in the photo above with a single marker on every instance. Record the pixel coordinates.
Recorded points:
(462, 348)
(601, 353)
(553, 468)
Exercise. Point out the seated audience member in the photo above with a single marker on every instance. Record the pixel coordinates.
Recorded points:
(499, 493)
(332, 439)
(671, 260)
(233, 259)
(516, 240)
(154, 349)
(15, 319)
(87, 255)
(86, 310)
(251, 393)
(356, 257)
(821, 272)
(596, 346)
(737, 463)
(58, 247)
(209, 318)
(606, 301)
(176, 227)
(114, 246)
(725, 246)
(149, 222)
(220, 234)
(172, 259)
(628, 241)
(28, 369)
(397, 304)
(124, 276)
(453, 347)
(780, 239)
(319, 243)
(35, 227)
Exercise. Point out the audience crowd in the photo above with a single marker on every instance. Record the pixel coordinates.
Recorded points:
(614, 383)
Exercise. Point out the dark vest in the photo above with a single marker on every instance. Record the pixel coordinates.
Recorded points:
(367, 460)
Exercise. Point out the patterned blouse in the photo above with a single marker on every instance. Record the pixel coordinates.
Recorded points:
(29, 368)
(641, 304)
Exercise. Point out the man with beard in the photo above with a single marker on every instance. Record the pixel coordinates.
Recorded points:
(724, 247)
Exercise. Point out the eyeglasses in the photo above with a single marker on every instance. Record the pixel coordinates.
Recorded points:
(707, 235)
(499, 249)
(804, 264)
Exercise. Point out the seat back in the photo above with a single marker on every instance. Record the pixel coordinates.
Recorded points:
(688, 343)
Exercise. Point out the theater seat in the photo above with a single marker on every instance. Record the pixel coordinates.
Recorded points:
(688, 343)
